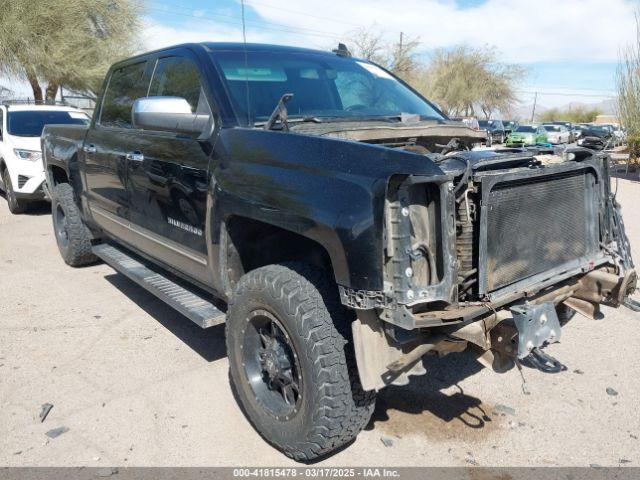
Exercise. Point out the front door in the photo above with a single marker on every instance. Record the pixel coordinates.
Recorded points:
(106, 145)
(168, 177)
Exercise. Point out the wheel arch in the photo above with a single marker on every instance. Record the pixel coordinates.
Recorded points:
(248, 244)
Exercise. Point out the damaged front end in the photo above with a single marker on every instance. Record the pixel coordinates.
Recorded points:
(486, 256)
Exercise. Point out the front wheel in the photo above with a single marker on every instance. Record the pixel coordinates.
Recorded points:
(291, 363)
(72, 235)
(15, 206)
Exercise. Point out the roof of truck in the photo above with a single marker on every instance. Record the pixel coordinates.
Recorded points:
(234, 46)
(261, 47)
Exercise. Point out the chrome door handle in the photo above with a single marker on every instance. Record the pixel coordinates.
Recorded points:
(90, 148)
(135, 156)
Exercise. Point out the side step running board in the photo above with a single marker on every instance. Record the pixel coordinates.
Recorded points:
(191, 305)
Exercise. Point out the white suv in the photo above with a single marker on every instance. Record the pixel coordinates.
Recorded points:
(21, 170)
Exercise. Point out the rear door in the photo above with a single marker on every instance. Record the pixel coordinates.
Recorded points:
(107, 143)
(168, 175)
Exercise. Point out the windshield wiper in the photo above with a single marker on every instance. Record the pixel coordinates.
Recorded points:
(279, 113)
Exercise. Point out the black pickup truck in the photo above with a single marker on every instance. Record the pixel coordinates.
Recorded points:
(337, 221)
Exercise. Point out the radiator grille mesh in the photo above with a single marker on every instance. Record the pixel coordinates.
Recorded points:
(535, 226)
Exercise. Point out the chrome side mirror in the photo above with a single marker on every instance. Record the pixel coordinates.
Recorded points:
(169, 114)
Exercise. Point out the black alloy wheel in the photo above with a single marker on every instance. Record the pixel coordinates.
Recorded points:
(271, 365)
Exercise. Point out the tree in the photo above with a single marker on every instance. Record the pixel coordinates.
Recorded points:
(70, 43)
(465, 78)
(577, 114)
(398, 57)
(628, 86)
(368, 44)
(403, 60)
(4, 93)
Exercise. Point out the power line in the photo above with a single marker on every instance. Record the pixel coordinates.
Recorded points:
(259, 23)
(566, 94)
(298, 12)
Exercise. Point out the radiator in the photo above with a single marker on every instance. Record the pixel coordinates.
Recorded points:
(534, 225)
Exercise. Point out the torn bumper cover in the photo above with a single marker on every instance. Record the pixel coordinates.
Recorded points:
(485, 260)
(387, 355)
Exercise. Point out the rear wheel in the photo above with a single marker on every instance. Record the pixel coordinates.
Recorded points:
(291, 364)
(15, 206)
(72, 235)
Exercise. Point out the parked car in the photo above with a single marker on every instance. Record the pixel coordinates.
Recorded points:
(471, 122)
(568, 126)
(557, 134)
(509, 126)
(494, 129)
(21, 170)
(617, 133)
(576, 131)
(526, 135)
(281, 185)
(595, 137)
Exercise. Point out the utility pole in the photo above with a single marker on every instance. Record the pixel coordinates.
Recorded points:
(533, 111)
(399, 59)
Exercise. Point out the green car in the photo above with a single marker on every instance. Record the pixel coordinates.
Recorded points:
(526, 135)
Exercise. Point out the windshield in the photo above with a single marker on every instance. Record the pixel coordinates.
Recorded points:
(29, 123)
(525, 129)
(322, 86)
(552, 128)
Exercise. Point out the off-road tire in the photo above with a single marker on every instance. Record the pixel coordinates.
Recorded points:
(15, 206)
(334, 408)
(77, 250)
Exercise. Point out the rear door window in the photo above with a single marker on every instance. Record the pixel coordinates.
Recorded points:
(125, 85)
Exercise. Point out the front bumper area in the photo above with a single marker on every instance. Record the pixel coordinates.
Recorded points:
(388, 355)
(28, 181)
(38, 195)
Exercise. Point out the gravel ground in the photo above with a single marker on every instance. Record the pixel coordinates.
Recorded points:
(136, 384)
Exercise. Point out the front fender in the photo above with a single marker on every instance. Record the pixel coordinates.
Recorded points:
(329, 190)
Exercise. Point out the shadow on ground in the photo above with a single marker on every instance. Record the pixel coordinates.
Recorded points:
(35, 208)
(633, 175)
(434, 404)
(209, 343)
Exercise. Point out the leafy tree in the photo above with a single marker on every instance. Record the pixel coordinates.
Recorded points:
(65, 42)
(577, 114)
(464, 78)
(628, 85)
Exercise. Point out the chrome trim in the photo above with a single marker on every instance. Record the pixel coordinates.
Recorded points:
(143, 232)
(134, 157)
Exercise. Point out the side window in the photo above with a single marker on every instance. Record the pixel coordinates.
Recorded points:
(179, 77)
(125, 85)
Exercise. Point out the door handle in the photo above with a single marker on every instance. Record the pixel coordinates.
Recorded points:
(135, 156)
(91, 148)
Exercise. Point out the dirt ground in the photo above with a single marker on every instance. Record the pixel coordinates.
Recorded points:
(136, 384)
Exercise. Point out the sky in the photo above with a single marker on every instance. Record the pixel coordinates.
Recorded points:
(569, 48)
